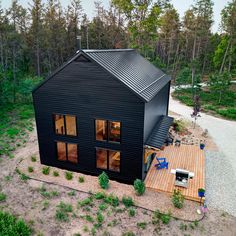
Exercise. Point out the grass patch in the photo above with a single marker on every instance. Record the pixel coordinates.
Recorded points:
(33, 158)
(85, 202)
(128, 201)
(46, 170)
(163, 217)
(131, 212)
(23, 176)
(81, 179)
(68, 175)
(62, 212)
(30, 169)
(55, 173)
(99, 195)
(112, 200)
(103, 206)
(72, 193)
(43, 191)
(210, 101)
(10, 225)
(3, 197)
(142, 225)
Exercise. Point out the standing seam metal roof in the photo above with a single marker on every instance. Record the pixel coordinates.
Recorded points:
(131, 69)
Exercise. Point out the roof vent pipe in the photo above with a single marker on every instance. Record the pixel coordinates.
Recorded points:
(78, 42)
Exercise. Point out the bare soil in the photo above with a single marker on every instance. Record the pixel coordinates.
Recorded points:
(25, 200)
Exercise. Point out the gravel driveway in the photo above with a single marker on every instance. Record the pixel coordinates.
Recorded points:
(220, 166)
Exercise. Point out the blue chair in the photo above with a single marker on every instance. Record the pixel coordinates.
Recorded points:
(161, 163)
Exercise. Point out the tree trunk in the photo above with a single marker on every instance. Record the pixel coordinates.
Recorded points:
(38, 58)
(230, 58)
(224, 58)
(193, 66)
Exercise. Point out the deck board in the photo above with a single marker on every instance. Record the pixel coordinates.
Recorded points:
(186, 157)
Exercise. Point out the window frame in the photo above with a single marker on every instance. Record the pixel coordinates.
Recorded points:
(67, 160)
(108, 131)
(64, 121)
(107, 156)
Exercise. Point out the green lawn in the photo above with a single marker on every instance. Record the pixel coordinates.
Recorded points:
(210, 101)
(16, 121)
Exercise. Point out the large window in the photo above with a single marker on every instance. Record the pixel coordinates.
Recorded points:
(65, 125)
(107, 131)
(108, 159)
(67, 152)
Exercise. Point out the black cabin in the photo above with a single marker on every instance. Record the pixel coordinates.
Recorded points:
(101, 111)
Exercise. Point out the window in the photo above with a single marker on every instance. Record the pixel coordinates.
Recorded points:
(65, 125)
(107, 131)
(108, 159)
(67, 152)
(101, 130)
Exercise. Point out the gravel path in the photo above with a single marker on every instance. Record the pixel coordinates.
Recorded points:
(220, 167)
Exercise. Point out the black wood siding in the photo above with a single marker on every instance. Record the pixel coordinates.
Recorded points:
(84, 89)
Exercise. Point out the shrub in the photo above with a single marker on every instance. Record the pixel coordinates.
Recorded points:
(142, 225)
(72, 193)
(85, 202)
(81, 179)
(69, 175)
(3, 197)
(131, 212)
(46, 170)
(99, 195)
(157, 216)
(22, 175)
(89, 218)
(10, 225)
(139, 187)
(103, 180)
(100, 218)
(112, 200)
(103, 206)
(33, 159)
(127, 201)
(30, 169)
(55, 173)
(62, 211)
(178, 199)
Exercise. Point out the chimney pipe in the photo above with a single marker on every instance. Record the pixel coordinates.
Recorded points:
(78, 42)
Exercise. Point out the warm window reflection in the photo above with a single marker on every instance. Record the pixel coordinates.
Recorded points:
(70, 125)
(59, 124)
(72, 152)
(114, 131)
(101, 130)
(101, 157)
(114, 160)
(61, 151)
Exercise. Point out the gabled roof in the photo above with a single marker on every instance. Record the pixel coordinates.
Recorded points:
(128, 66)
(160, 132)
(131, 69)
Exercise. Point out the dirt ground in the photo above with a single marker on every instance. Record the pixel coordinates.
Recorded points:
(25, 200)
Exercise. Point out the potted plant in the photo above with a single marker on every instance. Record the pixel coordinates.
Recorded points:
(201, 192)
(202, 145)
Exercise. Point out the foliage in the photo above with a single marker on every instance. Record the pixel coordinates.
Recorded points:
(10, 225)
(112, 200)
(30, 169)
(3, 197)
(85, 202)
(103, 180)
(164, 217)
(33, 158)
(184, 77)
(139, 187)
(131, 212)
(46, 170)
(23, 176)
(99, 195)
(142, 225)
(81, 179)
(178, 199)
(55, 173)
(103, 206)
(127, 201)
(69, 175)
(100, 218)
(62, 212)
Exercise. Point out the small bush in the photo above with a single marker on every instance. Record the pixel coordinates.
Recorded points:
(178, 199)
(183, 226)
(55, 173)
(62, 211)
(33, 159)
(131, 212)
(103, 180)
(81, 179)
(103, 206)
(112, 200)
(46, 170)
(45, 205)
(85, 202)
(3, 197)
(23, 176)
(127, 201)
(72, 193)
(99, 195)
(10, 225)
(100, 218)
(89, 218)
(142, 225)
(69, 175)
(157, 216)
(139, 187)
(30, 169)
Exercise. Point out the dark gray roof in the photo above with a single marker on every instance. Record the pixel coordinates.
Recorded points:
(160, 131)
(137, 73)
(131, 69)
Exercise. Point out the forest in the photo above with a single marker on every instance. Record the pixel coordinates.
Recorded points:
(34, 41)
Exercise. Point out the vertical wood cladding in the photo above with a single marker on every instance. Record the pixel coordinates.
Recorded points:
(87, 91)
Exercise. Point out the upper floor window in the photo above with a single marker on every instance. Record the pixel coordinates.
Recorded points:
(65, 124)
(108, 130)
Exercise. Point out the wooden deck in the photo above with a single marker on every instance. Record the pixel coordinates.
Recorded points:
(186, 157)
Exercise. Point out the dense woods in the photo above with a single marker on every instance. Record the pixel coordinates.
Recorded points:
(36, 40)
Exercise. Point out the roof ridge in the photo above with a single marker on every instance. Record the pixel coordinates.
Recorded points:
(106, 50)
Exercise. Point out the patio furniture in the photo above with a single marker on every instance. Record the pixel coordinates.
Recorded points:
(182, 177)
(161, 163)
